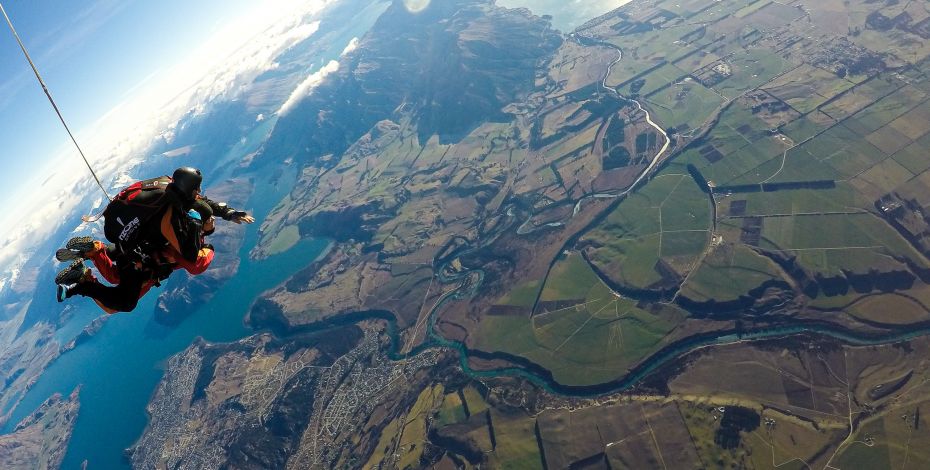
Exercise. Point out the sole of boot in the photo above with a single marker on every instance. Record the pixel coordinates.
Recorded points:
(65, 254)
(76, 248)
(72, 274)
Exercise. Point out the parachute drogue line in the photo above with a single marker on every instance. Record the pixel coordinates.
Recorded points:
(52, 101)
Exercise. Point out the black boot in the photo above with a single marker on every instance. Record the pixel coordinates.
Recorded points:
(76, 248)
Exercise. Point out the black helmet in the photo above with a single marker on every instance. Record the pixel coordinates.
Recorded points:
(186, 180)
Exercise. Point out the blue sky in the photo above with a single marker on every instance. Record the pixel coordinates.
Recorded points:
(92, 55)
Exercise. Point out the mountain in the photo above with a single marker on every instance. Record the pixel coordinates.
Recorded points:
(440, 65)
(40, 440)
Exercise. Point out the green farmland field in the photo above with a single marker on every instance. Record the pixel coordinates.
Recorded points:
(595, 338)
(668, 218)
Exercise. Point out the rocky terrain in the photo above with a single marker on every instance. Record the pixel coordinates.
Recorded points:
(86, 333)
(23, 358)
(39, 441)
(397, 190)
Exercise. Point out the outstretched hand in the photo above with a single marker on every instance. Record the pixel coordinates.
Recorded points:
(244, 218)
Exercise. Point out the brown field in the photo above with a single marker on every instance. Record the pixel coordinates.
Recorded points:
(800, 382)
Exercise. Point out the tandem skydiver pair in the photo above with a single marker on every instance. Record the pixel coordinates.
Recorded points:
(153, 227)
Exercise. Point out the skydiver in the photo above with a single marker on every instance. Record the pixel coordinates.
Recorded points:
(170, 238)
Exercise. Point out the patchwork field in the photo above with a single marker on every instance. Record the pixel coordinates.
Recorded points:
(796, 185)
(797, 148)
(581, 330)
(783, 403)
(654, 236)
(577, 239)
(730, 272)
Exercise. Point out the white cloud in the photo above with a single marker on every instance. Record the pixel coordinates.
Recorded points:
(353, 44)
(305, 88)
(231, 58)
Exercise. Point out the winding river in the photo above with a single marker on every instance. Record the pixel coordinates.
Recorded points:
(470, 282)
(658, 156)
(543, 378)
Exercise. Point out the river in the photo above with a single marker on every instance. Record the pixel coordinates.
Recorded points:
(667, 355)
(664, 357)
